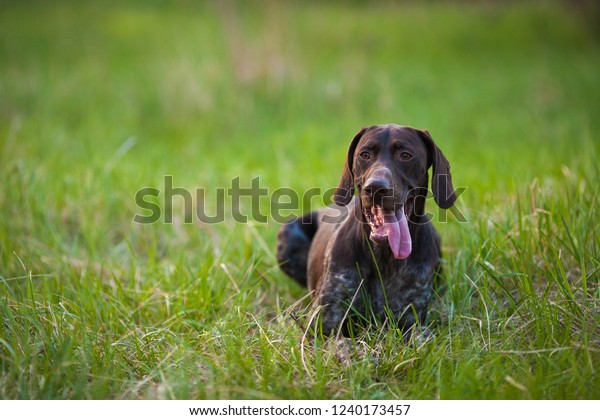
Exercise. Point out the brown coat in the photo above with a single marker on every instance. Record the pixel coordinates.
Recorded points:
(376, 254)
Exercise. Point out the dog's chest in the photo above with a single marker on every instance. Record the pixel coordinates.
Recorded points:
(394, 289)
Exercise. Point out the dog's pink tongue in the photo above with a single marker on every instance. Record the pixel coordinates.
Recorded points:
(398, 234)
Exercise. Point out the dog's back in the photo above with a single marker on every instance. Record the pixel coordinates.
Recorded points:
(293, 244)
(303, 240)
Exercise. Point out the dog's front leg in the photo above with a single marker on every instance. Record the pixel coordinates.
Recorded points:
(338, 297)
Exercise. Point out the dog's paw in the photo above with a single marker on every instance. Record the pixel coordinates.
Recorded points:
(419, 336)
(348, 351)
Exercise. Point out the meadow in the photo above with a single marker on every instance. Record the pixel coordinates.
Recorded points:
(101, 99)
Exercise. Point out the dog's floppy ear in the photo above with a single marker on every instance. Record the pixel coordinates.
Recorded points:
(345, 189)
(441, 180)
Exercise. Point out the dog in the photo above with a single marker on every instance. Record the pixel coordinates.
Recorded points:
(373, 255)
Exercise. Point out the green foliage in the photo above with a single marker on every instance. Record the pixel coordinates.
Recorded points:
(100, 100)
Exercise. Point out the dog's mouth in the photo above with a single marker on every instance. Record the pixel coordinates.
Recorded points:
(391, 226)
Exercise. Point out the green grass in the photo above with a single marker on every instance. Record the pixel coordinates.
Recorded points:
(99, 100)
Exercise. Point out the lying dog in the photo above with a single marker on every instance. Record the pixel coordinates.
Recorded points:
(374, 255)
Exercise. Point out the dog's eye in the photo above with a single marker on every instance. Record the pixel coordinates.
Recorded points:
(365, 155)
(406, 156)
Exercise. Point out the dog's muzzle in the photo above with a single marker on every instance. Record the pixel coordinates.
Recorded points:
(387, 220)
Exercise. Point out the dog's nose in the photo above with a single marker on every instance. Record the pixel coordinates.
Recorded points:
(380, 187)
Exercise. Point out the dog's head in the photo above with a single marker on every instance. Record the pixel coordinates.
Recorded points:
(388, 164)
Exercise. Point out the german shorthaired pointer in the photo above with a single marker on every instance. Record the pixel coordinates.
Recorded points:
(374, 255)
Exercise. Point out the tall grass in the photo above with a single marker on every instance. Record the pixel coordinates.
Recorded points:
(99, 101)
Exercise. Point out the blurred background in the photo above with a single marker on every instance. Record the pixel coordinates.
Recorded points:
(101, 99)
